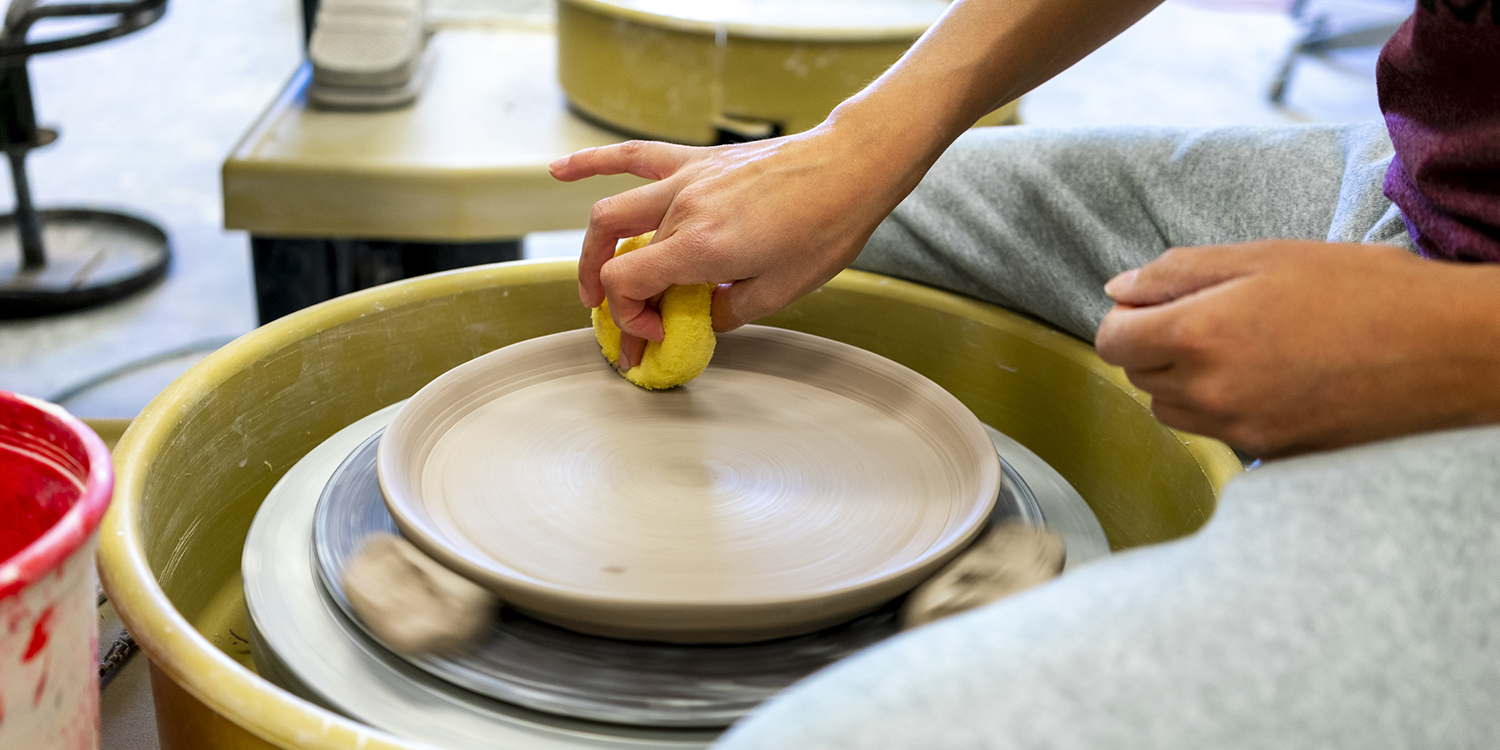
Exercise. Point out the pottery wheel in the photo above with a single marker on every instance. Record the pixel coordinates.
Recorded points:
(305, 643)
(541, 666)
(796, 483)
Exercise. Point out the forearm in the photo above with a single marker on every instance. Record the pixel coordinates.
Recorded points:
(771, 220)
(980, 55)
(1462, 345)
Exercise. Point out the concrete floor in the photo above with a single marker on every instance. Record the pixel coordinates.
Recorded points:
(147, 119)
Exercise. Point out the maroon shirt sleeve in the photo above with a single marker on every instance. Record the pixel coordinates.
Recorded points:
(1439, 84)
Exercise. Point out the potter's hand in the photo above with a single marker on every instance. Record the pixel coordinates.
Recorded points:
(769, 221)
(1280, 347)
(774, 219)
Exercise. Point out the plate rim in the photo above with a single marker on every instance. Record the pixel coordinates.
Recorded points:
(523, 592)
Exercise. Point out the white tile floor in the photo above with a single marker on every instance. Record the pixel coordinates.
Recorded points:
(145, 122)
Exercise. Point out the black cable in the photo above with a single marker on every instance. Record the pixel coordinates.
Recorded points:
(197, 347)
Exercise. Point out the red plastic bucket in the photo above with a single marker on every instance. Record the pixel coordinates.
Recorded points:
(55, 483)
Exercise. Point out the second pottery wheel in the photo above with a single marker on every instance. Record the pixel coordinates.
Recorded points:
(796, 483)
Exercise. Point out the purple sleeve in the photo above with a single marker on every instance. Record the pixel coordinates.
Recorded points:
(1439, 83)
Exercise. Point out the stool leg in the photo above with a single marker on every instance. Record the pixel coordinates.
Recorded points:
(28, 222)
(18, 133)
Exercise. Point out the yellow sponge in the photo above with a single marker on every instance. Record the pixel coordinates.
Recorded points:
(688, 341)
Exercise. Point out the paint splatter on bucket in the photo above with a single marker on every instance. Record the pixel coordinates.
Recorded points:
(55, 483)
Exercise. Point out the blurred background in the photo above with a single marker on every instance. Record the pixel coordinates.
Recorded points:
(147, 121)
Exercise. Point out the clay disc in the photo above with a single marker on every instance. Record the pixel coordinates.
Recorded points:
(796, 483)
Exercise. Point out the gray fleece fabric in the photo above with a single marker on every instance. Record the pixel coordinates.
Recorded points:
(1349, 599)
(1037, 219)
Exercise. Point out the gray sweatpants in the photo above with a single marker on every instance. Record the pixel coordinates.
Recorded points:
(1346, 599)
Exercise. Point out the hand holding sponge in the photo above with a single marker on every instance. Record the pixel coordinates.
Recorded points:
(688, 334)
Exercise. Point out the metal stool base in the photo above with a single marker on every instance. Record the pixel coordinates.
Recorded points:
(93, 257)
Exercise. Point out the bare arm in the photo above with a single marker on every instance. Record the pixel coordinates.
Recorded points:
(773, 220)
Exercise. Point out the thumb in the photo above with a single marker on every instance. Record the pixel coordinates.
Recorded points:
(1177, 273)
(744, 301)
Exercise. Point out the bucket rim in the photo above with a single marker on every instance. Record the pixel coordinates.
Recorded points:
(48, 551)
(276, 715)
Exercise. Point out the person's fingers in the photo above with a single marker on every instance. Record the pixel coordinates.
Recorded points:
(745, 301)
(625, 215)
(635, 318)
(644, 273)
(647, 159)
(632, 348)
(1140, 338)
(1161, 382)
(722, 308)
(1180, 272)
(630, 282)
(1240, 434)
(1184, 418)
(632, 279)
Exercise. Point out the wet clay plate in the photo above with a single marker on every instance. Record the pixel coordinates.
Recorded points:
(794, 485)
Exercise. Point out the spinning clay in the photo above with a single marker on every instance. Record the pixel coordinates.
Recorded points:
(794, 485)
(410, 601)
(1006, 559)
(688, 341)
